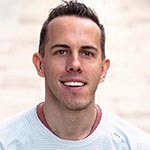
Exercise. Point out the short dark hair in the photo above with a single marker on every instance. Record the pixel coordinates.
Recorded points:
(68, 9)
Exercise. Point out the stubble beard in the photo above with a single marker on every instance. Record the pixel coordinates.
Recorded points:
(71, 104)
(75, 103)
(76, 106)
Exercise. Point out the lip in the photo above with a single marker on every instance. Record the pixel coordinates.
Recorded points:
(77, 81)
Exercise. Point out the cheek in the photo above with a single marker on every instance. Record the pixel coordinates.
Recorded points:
(95, 74)
(53, 68)
(95, 69)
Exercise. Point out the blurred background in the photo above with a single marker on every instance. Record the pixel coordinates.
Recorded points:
(126, 91)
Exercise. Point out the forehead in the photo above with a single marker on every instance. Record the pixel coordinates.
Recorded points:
(73, 23)
(72, 18)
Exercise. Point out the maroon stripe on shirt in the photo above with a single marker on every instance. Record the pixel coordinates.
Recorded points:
(41, 116)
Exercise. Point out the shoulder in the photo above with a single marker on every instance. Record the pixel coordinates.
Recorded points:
(16, 127)
(18, 119)
(126, 132)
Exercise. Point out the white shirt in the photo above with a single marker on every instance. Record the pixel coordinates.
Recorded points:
(26, 132)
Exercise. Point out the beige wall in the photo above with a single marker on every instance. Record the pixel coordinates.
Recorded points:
(126, 90)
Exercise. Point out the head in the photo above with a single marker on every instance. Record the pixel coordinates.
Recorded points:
(71, 8)
(71, 56)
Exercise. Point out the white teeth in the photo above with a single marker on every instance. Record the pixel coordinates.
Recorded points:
(74, 83)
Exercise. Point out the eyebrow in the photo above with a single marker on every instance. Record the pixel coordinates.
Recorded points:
(60, 45)
(66, 46)
(89, 47)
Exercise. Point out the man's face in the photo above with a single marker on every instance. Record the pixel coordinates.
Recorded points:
(72, 64)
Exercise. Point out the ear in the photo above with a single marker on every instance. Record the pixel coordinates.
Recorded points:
(37, 61)
(105, 67)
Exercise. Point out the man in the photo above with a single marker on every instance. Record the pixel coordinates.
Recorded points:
(72, 60)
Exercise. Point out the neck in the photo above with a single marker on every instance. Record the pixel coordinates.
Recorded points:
(70, 125)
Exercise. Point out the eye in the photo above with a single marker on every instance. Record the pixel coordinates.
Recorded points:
(61, 52)
(87, 53)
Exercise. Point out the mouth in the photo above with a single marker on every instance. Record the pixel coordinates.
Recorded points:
(73, 83)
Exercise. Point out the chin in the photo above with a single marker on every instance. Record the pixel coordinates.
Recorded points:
(77, 106)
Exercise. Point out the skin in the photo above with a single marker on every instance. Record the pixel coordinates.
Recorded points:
(72, 54)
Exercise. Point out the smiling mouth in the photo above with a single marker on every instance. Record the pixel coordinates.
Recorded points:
(74, 84)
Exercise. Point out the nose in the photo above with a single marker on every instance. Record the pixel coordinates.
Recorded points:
(74, 64)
